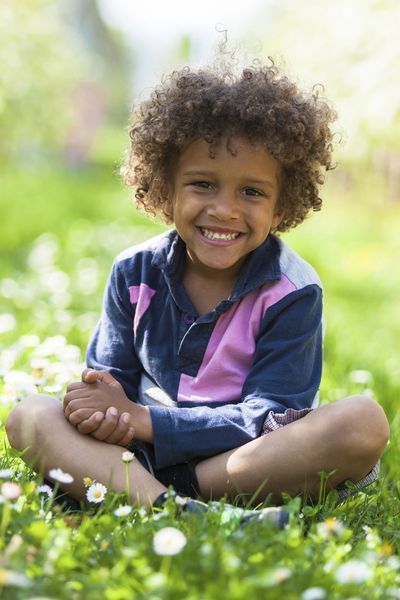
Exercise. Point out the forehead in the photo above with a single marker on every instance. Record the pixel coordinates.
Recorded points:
(238, 155)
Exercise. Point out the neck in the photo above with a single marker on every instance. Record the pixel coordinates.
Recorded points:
(218, 276)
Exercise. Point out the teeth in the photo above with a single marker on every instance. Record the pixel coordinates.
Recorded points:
(213, 235)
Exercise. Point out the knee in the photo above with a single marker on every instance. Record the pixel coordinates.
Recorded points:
(29, 418)
(367, 428)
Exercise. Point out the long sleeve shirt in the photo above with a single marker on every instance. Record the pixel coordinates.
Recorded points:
(219, 373)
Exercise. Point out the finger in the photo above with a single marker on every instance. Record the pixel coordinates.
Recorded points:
(83, 392)
(73, 405)
(130, 434)
(75, 385)
(108, 425)
(82, 414)
(90, 424)
(90, 375)
(120, 430)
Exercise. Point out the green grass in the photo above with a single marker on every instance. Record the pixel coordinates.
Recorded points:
(59, 234)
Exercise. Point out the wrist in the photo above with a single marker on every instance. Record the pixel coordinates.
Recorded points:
(142, 423)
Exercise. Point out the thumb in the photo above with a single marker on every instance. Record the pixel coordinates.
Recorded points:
(91, 376)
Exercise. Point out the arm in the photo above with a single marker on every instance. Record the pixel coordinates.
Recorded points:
(111, 350)
(286, 373)
(112, 345)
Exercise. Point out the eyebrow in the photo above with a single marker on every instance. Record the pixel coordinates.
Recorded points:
(261, 181)
(249, 180)
(198, 172)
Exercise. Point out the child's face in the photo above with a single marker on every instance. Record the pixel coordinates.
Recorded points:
(224, 207)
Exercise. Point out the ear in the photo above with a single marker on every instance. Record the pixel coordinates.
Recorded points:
(277, 219)
(168, 208)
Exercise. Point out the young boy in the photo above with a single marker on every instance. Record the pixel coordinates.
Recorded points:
(208, 355)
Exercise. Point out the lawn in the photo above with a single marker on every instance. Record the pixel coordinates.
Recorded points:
(59, 233)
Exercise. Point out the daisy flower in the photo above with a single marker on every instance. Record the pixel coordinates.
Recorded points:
(127, 456)
(360, 376)
(314, 593)
(45, 489)
(11, 490)
(96, 493)
(60, 476)
(6, 473)
(282, 574)
(169, 541)
(331, 527)
(87, 482)
(353, 571)
(13, 578)
(123, 511)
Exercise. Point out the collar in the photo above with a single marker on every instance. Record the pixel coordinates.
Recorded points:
(261, 265)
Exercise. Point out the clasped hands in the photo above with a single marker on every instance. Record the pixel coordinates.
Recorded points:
(98, 406)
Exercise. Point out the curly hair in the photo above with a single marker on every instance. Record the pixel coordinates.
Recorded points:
(207, 104)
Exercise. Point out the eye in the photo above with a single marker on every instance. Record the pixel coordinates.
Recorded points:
(252, 192)
(204, 185)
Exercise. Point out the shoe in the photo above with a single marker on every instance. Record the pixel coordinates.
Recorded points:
(62, 499)
(275, 514)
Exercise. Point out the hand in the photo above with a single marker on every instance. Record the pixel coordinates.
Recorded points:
(97, 392)
(109, 427)
(113, 429)
(99, 406)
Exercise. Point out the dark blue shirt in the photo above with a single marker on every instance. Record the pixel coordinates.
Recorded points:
(211, 380)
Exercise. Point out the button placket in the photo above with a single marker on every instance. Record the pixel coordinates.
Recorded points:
(188, 319)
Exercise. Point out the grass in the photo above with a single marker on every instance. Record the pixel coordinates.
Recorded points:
(59, 234)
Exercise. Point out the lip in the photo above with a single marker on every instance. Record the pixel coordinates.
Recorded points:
(219, 230)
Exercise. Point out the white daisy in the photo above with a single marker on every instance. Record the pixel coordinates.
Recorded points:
(14, 579)
(331, 527)
(353, 571)
(127, 456)
(360, 376)
(169, 541)
(60, 476)
(20, 383)
(7, 322)
(123, 511)
(282, 574)
(96, 493)
(6, 473)
(314, 593)
(45, 489)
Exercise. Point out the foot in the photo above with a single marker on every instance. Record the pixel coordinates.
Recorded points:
(274, 514)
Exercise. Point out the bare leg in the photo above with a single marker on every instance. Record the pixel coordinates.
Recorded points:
(347, 437)
(38, 425)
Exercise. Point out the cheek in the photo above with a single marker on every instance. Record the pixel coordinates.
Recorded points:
(186, 208)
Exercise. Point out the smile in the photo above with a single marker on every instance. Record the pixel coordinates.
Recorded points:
(218, 235)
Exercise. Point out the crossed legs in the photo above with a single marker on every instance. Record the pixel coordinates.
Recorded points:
(347, 437)
(37, 426)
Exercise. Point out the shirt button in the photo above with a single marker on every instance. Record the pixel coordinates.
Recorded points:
(189, 319)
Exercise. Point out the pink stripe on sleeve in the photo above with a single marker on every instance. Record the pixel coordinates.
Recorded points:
(140, 295)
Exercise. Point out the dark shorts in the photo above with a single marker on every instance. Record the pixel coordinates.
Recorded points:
(182, 477)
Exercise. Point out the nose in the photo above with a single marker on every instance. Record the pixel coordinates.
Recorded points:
(223, 206)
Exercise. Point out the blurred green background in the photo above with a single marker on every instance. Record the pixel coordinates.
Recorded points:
(70, 72)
